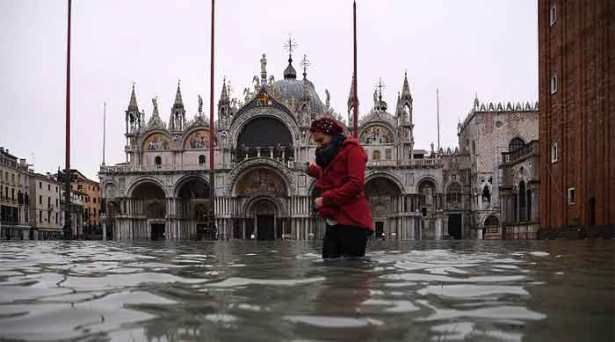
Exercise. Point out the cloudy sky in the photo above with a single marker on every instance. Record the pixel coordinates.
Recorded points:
(488, 47)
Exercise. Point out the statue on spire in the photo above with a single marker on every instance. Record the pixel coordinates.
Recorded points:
(264, 64)
(305, 63)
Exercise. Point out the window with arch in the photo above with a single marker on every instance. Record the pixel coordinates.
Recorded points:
(554, 156)
(407, 112)
(201, 160)
(528, 203)
(492, 221)
(553, 83)
(486, 195)
(158, 161)
(522, 202)
(552, 14)
(515, 144)
(453, 194)
(427, 189)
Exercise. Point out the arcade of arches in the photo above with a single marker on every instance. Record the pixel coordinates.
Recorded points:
(149, 214)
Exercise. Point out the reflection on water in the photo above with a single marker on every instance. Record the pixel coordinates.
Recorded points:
(283, 291)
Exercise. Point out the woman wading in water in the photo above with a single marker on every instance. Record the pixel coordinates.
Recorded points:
(340, 174)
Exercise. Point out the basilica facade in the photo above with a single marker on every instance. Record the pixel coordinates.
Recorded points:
(164, 188)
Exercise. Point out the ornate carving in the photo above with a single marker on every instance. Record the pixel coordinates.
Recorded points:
(260, 162)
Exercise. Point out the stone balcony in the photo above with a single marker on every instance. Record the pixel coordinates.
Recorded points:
(529, 149)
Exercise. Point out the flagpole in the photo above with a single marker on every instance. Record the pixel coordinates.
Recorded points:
(67, 224)
(104, 132)
(356, 77)
(212, 188)
(438, 115)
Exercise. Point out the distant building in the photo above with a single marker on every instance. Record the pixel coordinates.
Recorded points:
(519, 189)
(77, 212)
(489, 130)
(577, 125)
(45, 208)
(14, 197)
(89, 190)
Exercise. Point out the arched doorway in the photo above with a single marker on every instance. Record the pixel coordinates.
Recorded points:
(454, 203)
(265, 213)
(256, 189)
(195, 208)
(384, 198)
(492, 228)
(265, 136)
(151, 201)
(111, 211)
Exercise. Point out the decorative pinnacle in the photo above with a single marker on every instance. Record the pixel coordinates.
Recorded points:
(305, 63)
(290, 46)
(380, 85)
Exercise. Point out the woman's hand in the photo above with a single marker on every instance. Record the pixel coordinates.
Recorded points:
(318, 203)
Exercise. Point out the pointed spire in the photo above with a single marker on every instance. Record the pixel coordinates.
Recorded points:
(351, 94)
(224, 96)
(405, 92)
(178, 97)
(132, 106)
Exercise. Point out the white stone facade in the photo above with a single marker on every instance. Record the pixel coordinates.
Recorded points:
(488, 131)
(162, 191)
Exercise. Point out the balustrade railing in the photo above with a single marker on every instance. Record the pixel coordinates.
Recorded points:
(533, 147)
(283, 157)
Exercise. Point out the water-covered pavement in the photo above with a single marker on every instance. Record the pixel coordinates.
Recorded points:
(283, 291)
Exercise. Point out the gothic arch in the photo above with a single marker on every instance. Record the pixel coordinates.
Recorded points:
(492, 220)
(143, 180)
(271, 164)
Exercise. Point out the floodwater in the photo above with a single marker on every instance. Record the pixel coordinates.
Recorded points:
(283, 291)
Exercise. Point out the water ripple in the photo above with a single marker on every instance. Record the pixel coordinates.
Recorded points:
(283, 291)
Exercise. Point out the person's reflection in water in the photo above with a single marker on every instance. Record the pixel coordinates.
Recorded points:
(338, 311)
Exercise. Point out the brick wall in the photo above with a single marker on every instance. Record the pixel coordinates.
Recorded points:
(579, 47)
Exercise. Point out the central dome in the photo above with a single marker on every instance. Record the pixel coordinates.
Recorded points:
(292, 88)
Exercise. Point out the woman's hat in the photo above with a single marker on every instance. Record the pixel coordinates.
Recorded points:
(326, 125)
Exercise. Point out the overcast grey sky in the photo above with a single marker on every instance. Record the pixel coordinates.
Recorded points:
(461, 47)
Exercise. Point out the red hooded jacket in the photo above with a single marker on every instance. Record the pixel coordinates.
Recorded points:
(342, 184)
